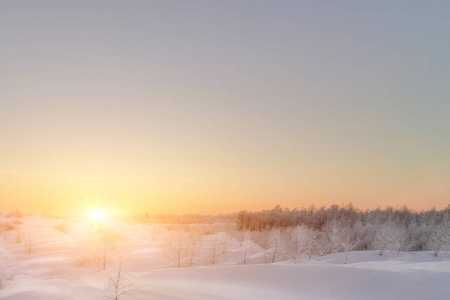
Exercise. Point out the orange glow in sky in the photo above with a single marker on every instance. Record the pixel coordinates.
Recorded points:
(182, 109)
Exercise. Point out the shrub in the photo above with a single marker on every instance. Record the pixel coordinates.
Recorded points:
(16, 214)
(61, 226)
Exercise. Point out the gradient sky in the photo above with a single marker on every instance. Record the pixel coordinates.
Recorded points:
(218, 106)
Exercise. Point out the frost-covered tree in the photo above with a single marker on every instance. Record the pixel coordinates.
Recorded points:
(179, 248)
(245, 243)
(333, 240)
(392, 237)
(275, 239)
(395, 229)
(348, 243)
(191, 251)
(383, 238)
(298, 243)
(399, 240)
(441, 236)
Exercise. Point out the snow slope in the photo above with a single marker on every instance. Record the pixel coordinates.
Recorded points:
(49, 264)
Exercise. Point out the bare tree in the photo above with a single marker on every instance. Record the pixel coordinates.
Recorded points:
(104, 241)
(93, 258)
(117, 283)
(348, 244)
(100, 251)
(179, 248)
(213, 252)
(224, 249)
(191, 251)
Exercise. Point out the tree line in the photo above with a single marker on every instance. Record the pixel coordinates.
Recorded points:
(343, 228)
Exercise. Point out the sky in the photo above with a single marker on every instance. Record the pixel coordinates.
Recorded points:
(220, 106)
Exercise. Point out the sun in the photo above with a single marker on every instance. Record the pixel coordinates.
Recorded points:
(98, 215)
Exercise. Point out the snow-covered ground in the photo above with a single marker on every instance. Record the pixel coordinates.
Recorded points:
(44, 258)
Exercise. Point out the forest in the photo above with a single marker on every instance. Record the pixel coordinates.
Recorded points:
(345, 228)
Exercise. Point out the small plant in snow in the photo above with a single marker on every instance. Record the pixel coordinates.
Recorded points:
(245, 241)
(28, 246)
(2, 282)
(19, 237)
(3, 230)
(62, 226)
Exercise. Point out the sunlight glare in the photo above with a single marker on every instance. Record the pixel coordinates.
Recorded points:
(98, 215)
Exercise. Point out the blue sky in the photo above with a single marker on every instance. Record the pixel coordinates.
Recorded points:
(226, 102)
